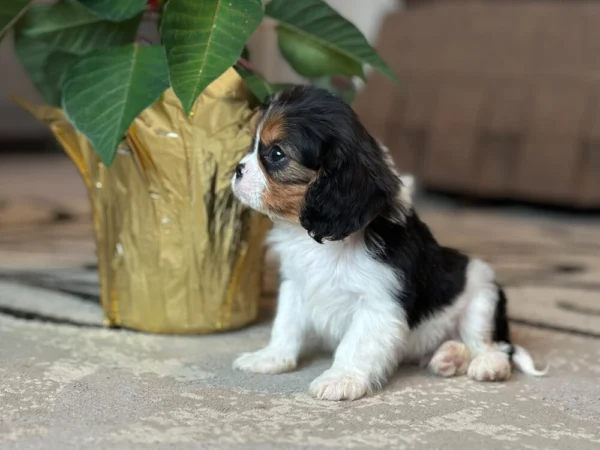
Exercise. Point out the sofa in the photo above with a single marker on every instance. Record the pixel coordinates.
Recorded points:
(499, 99)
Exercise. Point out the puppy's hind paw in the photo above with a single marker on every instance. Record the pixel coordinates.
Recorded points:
(490, 366)
(451, 359)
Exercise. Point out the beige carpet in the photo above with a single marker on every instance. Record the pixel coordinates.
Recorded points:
(65, 382)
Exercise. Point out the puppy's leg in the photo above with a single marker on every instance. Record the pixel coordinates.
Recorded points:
(367, 354)
(491, 360)
(287, 336)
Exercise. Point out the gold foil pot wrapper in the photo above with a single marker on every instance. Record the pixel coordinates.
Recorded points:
(177, 252)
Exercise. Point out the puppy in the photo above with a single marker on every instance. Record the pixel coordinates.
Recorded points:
(361, 274)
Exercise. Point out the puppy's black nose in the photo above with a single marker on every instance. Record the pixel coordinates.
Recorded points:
(238, 171)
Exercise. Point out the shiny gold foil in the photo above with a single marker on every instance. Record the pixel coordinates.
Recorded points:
(177, 253)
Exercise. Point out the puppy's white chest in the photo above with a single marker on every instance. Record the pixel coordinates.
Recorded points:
(334, 279)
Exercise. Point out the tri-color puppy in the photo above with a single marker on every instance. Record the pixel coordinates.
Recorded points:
(360, 273)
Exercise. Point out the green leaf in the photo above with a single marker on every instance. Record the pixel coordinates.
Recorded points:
(70, 27)
(106, 89)
(46, 68)
(51, 36)
(260, 87)
(55, 73)
(203, 39)
(10, 11)
(311, 59)
(116, 10)
(317, 41)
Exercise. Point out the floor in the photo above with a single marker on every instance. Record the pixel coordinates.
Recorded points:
(68, 383)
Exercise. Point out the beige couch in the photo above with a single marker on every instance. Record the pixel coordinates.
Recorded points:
(499, 99)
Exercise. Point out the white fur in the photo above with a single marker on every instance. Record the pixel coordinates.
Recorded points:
(408, 189)
(476, 326)
(523, 360)
(340, 295)
(250, 188)
(287, 336)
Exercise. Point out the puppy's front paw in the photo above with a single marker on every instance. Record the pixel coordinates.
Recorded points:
(490, 366)
(338, 385)
(265, 361)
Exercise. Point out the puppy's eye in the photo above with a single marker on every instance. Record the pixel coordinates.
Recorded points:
(276, 154)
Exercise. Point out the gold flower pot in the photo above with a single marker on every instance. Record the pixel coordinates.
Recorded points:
(176, 252)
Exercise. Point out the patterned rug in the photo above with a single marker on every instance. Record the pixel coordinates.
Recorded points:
(67, 382)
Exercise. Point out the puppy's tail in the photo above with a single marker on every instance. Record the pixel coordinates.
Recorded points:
(524, 362)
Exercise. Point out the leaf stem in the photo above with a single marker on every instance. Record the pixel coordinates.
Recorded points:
(245, 64)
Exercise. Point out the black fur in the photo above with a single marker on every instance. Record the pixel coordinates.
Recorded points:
(354, 184)
(432, 275)
(501, 327)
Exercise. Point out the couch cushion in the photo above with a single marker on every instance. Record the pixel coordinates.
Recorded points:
(498, 99)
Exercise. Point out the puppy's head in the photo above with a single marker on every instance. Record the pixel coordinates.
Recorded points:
(312, 162)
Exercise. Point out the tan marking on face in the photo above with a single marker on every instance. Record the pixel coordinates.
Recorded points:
(286, 190)
(288, 182)
(273, 129)
(285, 200)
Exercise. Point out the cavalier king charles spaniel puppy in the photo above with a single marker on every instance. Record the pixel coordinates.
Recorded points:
(361, 274)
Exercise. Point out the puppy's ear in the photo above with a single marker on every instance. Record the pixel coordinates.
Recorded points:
(354, 185)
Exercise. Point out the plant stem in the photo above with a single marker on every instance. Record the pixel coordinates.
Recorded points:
(244, 63)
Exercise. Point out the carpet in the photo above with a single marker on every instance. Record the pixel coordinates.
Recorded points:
(67, 382)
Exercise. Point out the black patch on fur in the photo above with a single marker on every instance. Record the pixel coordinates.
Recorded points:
(432, 275)
(354, 183)
(501, 327)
